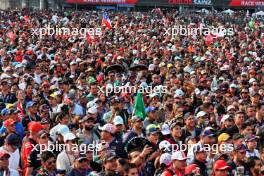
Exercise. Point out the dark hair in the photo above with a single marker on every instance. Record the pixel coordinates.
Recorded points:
(44, 156)
(129, 166)
(252, 161)
(259, 106)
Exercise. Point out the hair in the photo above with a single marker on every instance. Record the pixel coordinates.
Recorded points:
(44, 156)
(252, 161)
(129, 166)
(259, 106)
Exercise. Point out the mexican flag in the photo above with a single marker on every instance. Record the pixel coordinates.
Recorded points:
(139, 107)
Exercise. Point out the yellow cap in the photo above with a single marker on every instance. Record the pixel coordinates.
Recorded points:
(223, 137)
(169, 65)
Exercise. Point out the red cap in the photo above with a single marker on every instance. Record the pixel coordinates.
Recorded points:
(221, 165)
(190, 169)
(35, 127)
(252, 71)
(45, 83)
(4, 153)
(9, 122)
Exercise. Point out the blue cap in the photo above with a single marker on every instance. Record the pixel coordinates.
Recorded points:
(151, 129)
(150, 109)
(5, 111)
(208, 133)
(30, 104)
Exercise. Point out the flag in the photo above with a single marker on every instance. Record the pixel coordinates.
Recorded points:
(139, 107)
(88, 38)
(106, 21)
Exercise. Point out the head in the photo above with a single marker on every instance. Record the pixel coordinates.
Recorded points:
(178, 160)
(239, 118)
(4, 160)
(255, 165)
(110, 162)
(239, 153)
(88, 123)
(189, 121)
(220, 168)
(81, 163)
(107, 132)
(176, 131)
(131, 169)
(137, 122)
(48, 160)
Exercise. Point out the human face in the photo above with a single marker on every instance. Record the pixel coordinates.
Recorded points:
(153, 138)
(190, 121)
(176, 132)
(82, 164)
(50, 164)
(133, 172)
(110, 165)
(105, 135)
(221, 172)
(201, 156)
(44, 139)
(251, 112)
(248, 130)
(241, 155)
(239, 119)
(4, 162)
(179, 164)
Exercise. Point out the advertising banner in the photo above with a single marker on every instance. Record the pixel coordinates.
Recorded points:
(102, 1)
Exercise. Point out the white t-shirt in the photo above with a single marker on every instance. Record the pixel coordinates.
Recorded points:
(14, 158)
(64, 161)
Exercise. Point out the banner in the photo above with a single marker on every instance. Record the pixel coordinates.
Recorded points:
(102, 1)
(246, 3)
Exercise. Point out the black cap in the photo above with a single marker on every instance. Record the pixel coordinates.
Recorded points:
(14, 140)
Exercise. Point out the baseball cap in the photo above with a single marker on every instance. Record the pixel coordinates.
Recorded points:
(150, 109)
(221, 165)
(69, 137)
(30, 104)
(42, 133)
(35, 126)
(44, 108)
(63, 129)
(223, 137)
(118, 120)
(5, 111)
(110, 128)
(240, 147)
(251, 138)
(4, 153)
(237, 136)
(92, 110)
(178, 93)
(14, 140)
(165, 146)
(178, 155)
(165, 129)
(9, 122)
(224, 118)
(109, 156)
(151, 129)
(201, 114)
(231, 107)
(165, 158)
(208, 133)
(81, 157)
(135, 118)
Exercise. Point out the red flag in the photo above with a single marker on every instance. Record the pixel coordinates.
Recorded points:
(88, 37)
(106, 21)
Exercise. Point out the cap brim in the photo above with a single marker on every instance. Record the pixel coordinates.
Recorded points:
(224, 168)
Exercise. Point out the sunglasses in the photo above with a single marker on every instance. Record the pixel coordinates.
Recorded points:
(51, 162)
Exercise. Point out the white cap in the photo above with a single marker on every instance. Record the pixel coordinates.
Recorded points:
(165, 129)
(73, 63)
(118, 120)
(164, 145)
(224, 118)
(110, 128)
(92, 110)
(90, 104)
(252, 80)
(63, 129)
(178, 155)
(201, 114)
(69, 136)
(179, 93)
(233, 85)
(231, 107)
(151, 67)
(165, 158)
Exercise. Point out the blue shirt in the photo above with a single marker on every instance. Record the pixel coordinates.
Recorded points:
(19, 129)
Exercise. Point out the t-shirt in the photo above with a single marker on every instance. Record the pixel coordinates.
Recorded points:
(64, 161)
(33, 159)
(14, 158)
